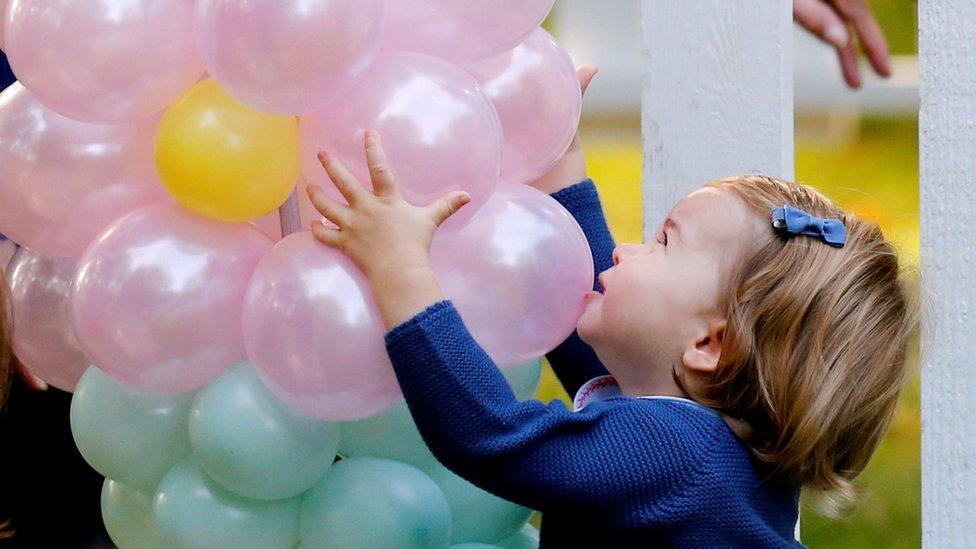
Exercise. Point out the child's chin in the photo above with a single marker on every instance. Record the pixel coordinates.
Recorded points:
(589, 322)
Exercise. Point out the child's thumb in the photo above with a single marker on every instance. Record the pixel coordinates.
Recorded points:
(586, 73)
(447, 205)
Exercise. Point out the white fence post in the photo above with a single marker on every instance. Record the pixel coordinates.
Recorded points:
(947, 123)
(717, 95)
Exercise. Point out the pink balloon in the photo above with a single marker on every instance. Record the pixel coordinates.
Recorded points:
(103, 60)
(157, 298)
(314, 334)
(537, 95)
(62, 181)
(270, 225)
(3, 17)
(517, 273)
(288, 56)
(7, 250)
(44, 338)
(439, 130)
(466, 30)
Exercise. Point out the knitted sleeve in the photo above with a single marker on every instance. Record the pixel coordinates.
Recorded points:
(541, 456)
(574, 362)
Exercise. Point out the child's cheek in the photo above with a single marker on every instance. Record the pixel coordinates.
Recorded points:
(589, 322)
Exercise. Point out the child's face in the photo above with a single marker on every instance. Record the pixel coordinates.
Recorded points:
(661, 297)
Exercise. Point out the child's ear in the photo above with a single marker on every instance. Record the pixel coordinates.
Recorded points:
(702, 357)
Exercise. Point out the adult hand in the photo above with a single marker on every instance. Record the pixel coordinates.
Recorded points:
(837, 22)
(571, 167)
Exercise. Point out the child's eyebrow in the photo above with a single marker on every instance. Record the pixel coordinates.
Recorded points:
(670, 222)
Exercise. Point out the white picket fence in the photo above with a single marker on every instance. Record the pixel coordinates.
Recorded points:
(947, 123)
(718, 100)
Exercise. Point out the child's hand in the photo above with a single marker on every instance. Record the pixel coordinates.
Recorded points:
(384, 235)
(571, 168)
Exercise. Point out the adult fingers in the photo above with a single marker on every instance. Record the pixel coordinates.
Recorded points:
(849, 66)
(869, 32)
(821, 19)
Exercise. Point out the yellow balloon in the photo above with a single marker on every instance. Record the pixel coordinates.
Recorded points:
(224, 160)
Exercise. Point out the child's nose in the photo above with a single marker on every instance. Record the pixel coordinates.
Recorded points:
(622, 251)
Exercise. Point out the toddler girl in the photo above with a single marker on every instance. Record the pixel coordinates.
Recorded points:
(756, 345)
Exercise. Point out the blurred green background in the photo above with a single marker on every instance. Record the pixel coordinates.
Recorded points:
(868, 165)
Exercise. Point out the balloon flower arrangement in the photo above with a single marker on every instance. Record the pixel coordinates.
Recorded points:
(229, 373)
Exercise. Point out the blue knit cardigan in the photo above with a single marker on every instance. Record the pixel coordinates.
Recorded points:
(620, 472)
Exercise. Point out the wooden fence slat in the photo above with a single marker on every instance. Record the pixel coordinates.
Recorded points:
(947, 157)
(717, 95)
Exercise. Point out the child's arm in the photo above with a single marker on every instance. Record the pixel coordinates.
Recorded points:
(540, 456)
(573, 361)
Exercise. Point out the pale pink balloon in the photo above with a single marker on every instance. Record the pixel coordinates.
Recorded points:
(62, 181)
(157, 298)
(314, 334)
(43, 337)
(105, 61)
(270, 225)
(536, 92)
(288, 56)
(7, 250)
(3, 17)
(459, 31)
(517, 273)
(439, 131)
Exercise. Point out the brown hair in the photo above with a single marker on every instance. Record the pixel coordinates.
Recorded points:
(6, 354)
(815, 349)
(6, 368)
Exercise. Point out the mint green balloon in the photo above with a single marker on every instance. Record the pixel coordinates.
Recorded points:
(524, 379)
(475, 546)
(125, 435)
(127, 515)
(478, 516)
(526, 538)
(392, 434)
(197, 512)
(255, 445)
(373, 502)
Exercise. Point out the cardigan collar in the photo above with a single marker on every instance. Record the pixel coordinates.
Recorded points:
(605, 387)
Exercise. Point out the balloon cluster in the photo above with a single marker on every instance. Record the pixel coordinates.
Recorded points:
(145, 155)
(231, 465)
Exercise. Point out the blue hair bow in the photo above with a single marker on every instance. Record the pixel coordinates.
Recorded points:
(791, 221)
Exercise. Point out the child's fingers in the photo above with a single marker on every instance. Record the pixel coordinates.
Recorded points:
(446, 206)
(325, 235)
(586, 73)
(330, 209)
(379, 166)
(340, 176)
